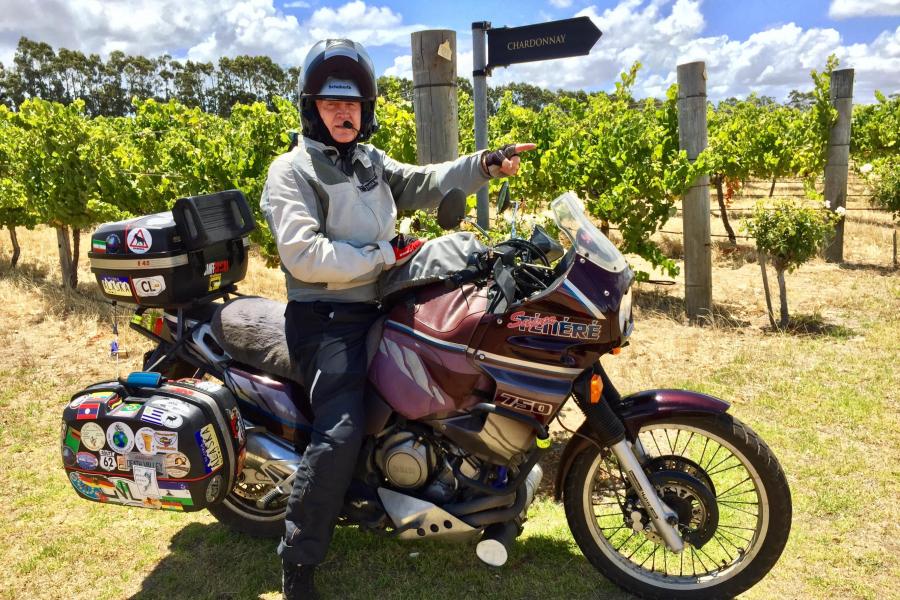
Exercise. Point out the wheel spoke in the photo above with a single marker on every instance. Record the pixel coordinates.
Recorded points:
(730, 502)
(658, 449)
(711, 559)
(737, 527)
(737, 466)
(703, 454)
(752, 514)
(728, 554)
(747, 478)
(712, 469)
(633, 552)
(711, 459)
(622, 545)
(743, 539)
(720, 535)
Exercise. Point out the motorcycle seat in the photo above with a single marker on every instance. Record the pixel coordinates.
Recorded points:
(251, 330)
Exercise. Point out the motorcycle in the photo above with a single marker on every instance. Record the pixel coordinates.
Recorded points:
(665, 492)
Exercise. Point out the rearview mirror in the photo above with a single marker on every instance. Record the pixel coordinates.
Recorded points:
(452, 209)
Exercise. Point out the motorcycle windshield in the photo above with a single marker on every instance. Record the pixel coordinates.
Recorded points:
(588, 241)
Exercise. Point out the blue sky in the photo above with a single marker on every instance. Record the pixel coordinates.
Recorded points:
(762, 46)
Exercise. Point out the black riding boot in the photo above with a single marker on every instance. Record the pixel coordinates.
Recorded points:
(297, 581)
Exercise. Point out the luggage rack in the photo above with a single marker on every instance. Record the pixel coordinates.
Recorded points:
(181, 329)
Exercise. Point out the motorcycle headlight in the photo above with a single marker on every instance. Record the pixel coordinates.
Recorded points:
(626, 324)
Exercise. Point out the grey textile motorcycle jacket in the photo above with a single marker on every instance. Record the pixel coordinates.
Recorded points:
(333, 230)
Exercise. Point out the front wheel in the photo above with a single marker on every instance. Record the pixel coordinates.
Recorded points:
(730, 494)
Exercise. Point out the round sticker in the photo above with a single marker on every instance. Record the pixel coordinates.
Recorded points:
(120, 437)
(92, 436)
(143, 440)
(177, 465)
(172, 421)
(113, 243)
(86, 461)
(171, 405)
(68, 456)
(213, 489)
(139, 240)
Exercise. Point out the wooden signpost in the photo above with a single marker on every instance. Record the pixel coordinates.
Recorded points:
(511, 45)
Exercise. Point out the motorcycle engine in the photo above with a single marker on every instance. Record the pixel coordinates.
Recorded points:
(406, 460)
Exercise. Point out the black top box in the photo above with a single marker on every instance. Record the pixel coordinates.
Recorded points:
(172, 259)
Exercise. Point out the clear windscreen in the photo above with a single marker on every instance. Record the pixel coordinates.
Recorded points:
(589, 242)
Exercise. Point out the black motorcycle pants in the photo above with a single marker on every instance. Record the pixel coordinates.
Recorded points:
(328, 341)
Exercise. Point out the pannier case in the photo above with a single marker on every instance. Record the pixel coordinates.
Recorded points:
(171, 259)
(174, 447)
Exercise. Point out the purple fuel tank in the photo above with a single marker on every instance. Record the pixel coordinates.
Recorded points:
(422, 366)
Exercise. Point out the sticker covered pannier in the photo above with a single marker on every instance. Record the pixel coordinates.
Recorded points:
(170, 259)
(175, 447)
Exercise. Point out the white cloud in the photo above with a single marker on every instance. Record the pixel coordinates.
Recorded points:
(561, 3)
(402, 67)
(297, 4)
(203, 30)
(662, 34)
(369, 25)
(848, 9)
(659, 33)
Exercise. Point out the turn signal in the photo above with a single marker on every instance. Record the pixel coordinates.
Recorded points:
(616, 351)
(596, 389)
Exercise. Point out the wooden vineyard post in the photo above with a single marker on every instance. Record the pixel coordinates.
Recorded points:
(838, 157)
(692, 139)
(434, 95)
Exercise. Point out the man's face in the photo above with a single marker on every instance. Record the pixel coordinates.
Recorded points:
(335, 112)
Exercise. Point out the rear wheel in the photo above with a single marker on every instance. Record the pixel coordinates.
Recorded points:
(239, 512)
(730, 494)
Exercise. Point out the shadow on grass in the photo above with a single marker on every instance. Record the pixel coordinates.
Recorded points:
(814, 326)
(735, 256)
(879, 269)
(210, 561)
(672, 307)
(84, 302)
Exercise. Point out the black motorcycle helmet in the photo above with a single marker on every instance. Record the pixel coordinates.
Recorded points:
(337, 69)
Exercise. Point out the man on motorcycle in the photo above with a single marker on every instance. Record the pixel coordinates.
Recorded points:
(331, 203)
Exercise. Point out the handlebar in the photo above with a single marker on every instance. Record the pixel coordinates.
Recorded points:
(467, 275)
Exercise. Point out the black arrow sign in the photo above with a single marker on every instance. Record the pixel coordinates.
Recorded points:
(544, 41)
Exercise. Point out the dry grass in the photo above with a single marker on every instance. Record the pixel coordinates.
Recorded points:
(825, 398)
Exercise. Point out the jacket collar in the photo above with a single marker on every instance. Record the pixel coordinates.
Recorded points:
(331, 153)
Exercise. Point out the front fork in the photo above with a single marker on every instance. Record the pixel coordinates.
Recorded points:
(611, 432)
(664, 519)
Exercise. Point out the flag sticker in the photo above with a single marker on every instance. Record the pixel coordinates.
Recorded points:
(87, 410)
(98, 246)
(73, 440)
(153, 415)
(139, 240)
